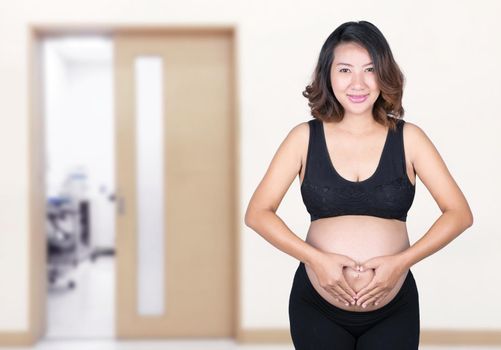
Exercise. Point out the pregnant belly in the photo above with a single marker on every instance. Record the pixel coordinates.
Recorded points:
(356, 279)
(359, 238)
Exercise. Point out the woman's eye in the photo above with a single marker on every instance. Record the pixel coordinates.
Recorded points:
(342, 70)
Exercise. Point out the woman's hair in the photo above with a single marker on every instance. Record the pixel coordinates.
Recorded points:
(390, 80)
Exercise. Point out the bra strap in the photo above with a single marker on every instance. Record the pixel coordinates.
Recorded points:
(317, 169)
(400, 126)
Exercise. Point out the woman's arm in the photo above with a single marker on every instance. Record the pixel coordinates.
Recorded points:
(456, 214)
(261, 210)
(456, 217)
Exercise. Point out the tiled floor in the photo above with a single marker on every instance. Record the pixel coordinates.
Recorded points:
(87, 311)
(186, 345)
(85, 315)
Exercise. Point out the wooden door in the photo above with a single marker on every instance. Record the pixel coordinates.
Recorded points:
(175, 172)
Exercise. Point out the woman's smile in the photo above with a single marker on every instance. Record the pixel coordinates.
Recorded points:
(357, 98)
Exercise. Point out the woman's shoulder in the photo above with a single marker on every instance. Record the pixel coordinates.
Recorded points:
(298, 136)
(412, 130)
(300, 131)
(415, 138)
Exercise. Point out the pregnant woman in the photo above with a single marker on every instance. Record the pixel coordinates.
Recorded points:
(357, 162)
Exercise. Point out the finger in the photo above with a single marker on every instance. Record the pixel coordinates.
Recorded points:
(380, 299)
(366, 265)
(344, 294)
(332, 291)
(362, 292)
(373, 299)
(344, 289)
(372, 284)
(351, 263)
(350, 292)
(368, 295)
(338, 297)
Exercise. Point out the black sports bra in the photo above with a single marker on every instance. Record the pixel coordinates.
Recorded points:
(387, 193)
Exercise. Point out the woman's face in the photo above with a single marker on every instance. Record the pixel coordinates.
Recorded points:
(353, 79)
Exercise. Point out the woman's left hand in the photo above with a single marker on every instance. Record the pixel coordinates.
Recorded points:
(387, 271)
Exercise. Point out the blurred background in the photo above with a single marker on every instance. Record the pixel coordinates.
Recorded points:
(134, 133)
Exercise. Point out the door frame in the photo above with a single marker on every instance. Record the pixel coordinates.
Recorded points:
(37, 309)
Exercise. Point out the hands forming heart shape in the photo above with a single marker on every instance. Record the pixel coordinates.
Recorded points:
(377, 278)
(370, 282)
(358, 279)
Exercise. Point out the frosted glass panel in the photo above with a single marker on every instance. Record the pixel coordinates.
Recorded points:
(150, 186)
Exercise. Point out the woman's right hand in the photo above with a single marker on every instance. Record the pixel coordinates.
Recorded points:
(328, 268)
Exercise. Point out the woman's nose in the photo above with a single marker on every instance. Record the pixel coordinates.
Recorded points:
(358, 80)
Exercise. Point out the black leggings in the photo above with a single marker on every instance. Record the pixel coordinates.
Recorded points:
(316, 324)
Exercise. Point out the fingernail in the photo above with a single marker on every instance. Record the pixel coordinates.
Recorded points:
(364, 306)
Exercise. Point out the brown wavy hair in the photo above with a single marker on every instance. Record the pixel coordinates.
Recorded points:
(388, 106)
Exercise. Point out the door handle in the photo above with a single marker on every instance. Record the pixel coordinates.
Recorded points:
(120, 200)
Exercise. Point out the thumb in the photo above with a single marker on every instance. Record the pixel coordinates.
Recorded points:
(350, 263)
(369, 264)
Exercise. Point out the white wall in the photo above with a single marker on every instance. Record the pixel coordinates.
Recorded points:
(450, 52)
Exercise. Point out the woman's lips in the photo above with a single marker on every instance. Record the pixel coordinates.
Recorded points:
(357, 98)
